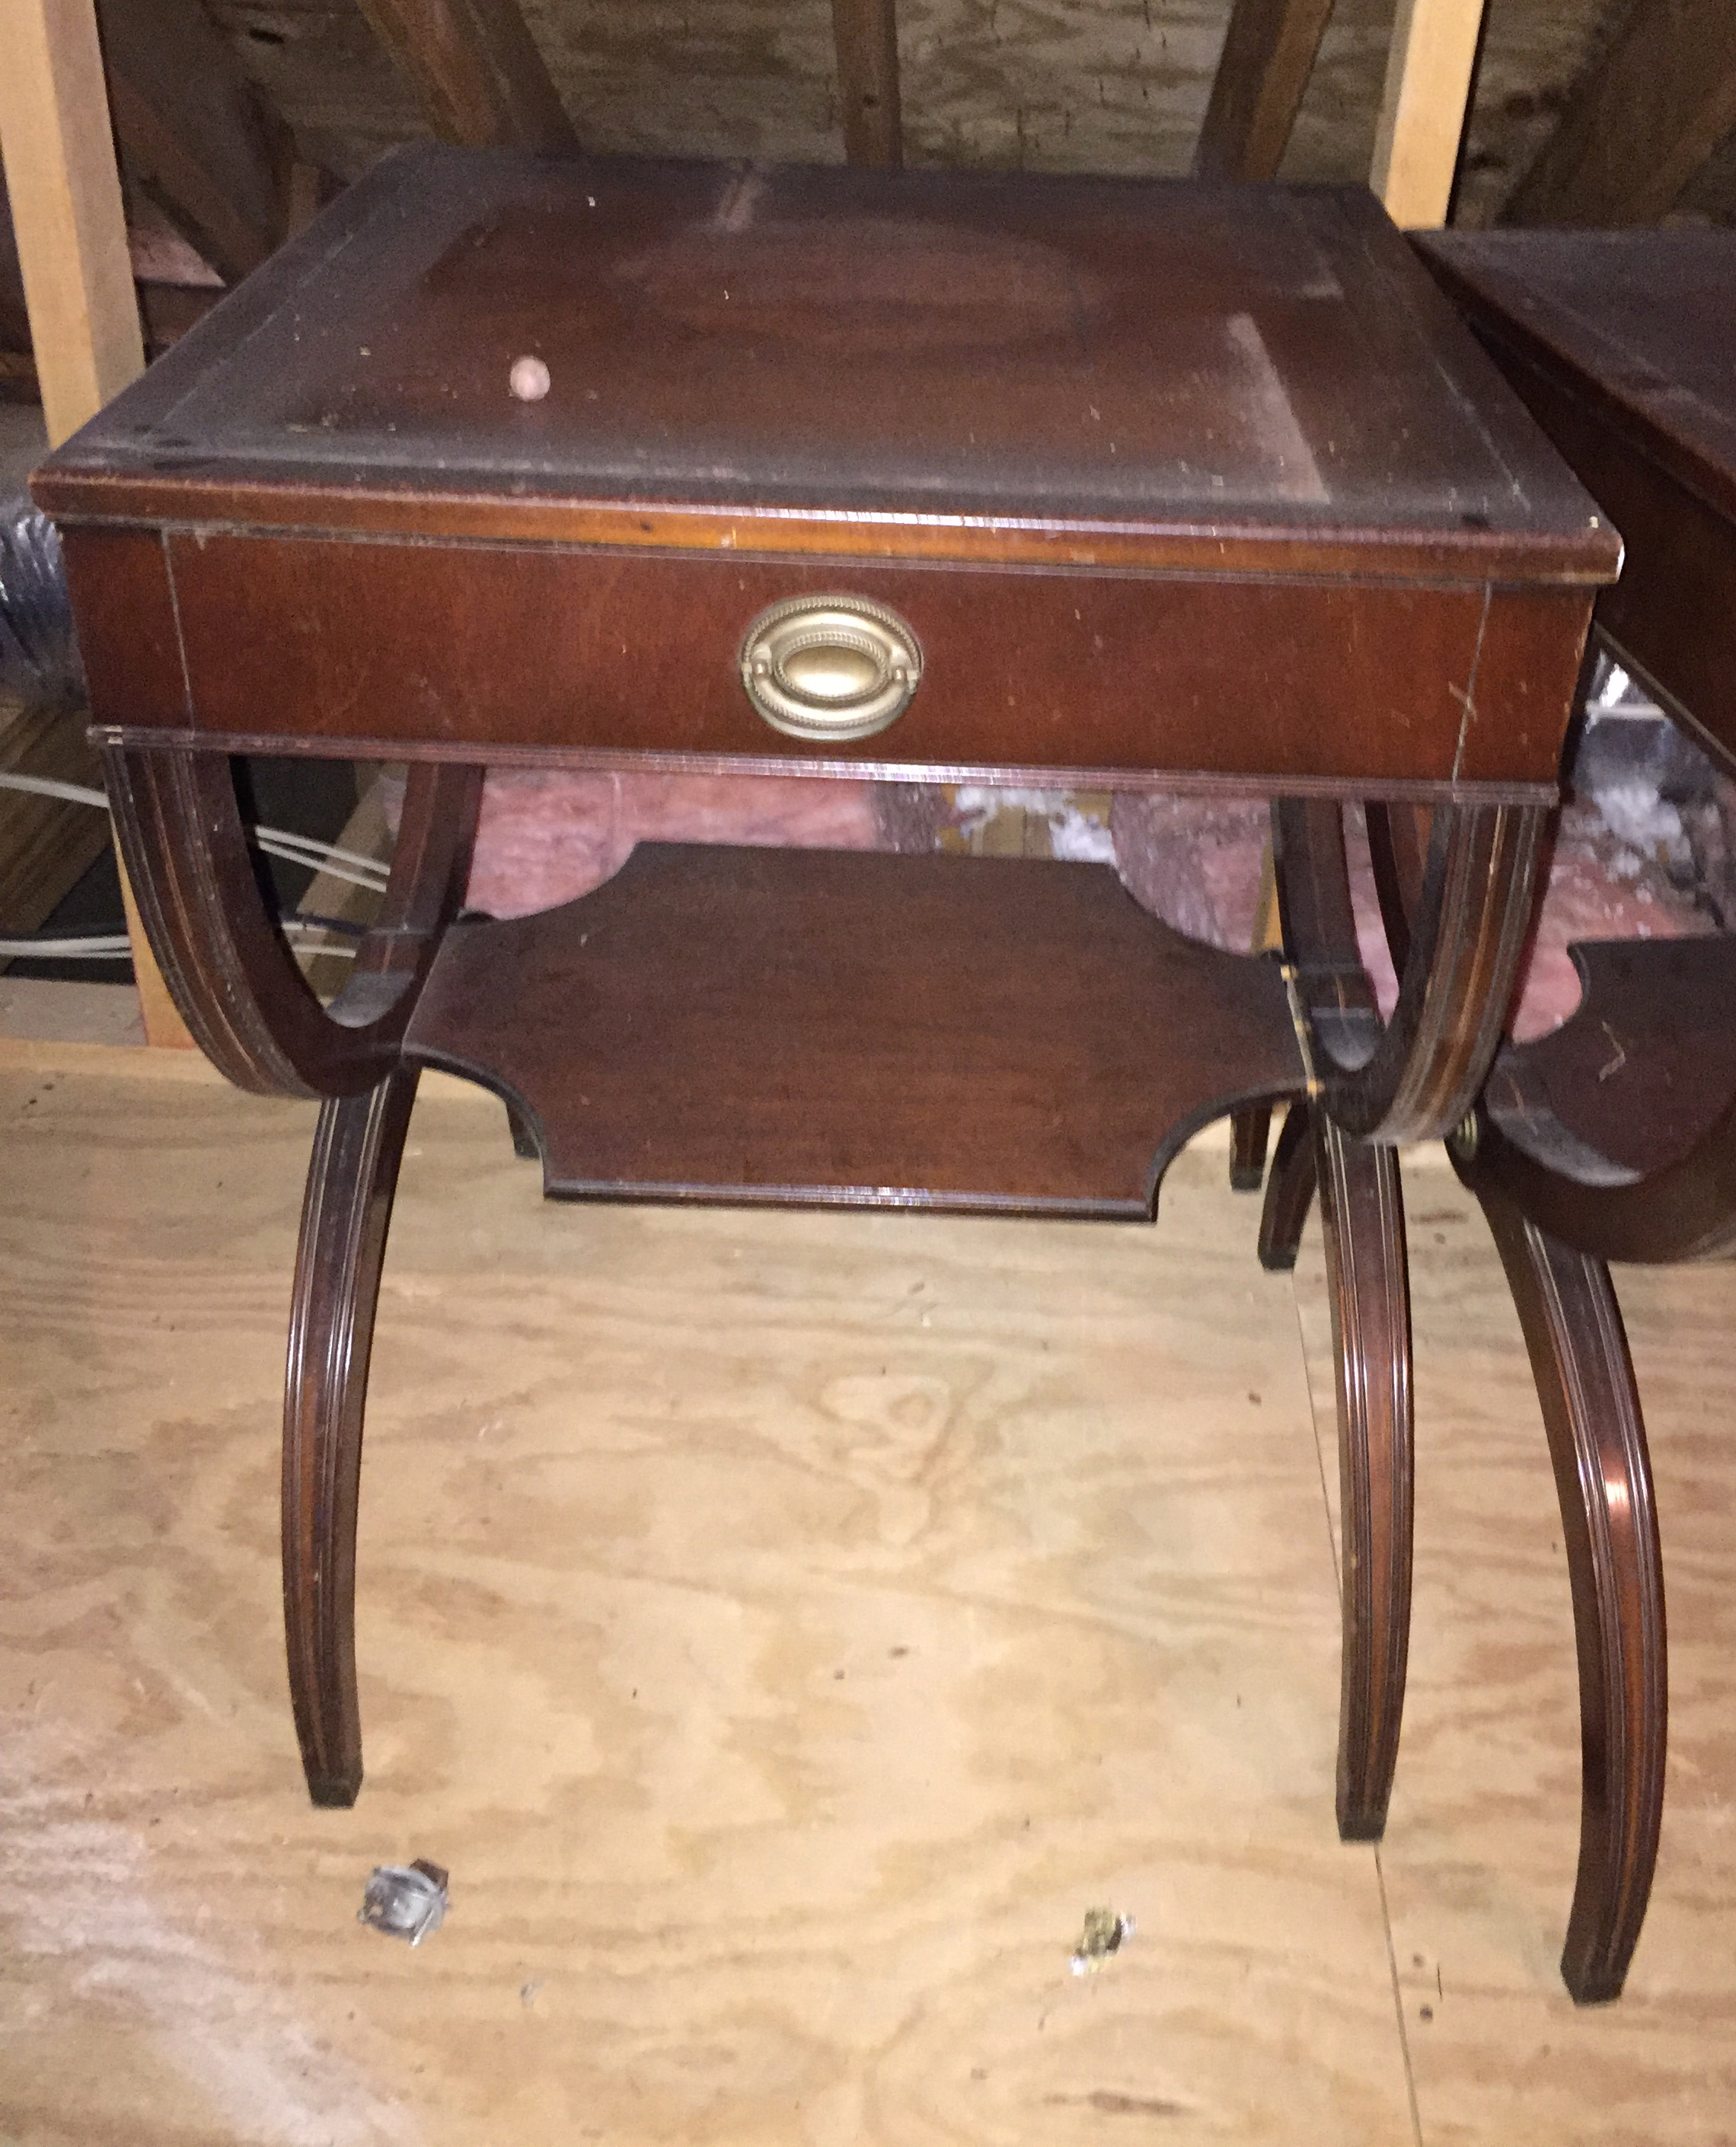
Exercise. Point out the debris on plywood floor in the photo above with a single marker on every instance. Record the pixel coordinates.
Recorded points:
(405, 1900)
(1104, 1934)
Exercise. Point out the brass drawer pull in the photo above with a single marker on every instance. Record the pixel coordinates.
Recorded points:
(830, 668)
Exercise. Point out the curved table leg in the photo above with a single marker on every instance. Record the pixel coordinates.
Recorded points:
(345, 1217)
(1289, 1191)
(1579, 1352)
(1362, 1210)
(221, 954)
(1415, 1077)
(1248, 1131)
(236, 983)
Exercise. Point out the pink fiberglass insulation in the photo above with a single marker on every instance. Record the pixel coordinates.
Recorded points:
(1197, 864)
(548, 837)
(1599, 887)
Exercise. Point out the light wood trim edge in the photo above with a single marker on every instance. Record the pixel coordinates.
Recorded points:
(68, 213)
(1589, 556)
(67, 210)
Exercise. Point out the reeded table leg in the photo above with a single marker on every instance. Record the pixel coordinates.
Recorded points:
(345, 1217)
(1248, 1131)
(239, 989)
(1579, 1352)
(1415, 1077)
(1362, 1211)
(222, 956)
(1456, 904)
(1289, 1191)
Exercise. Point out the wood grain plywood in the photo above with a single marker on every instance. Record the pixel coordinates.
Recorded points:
(784, 1628)
(1477, 1863)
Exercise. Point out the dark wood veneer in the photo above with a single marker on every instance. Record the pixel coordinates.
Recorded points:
(558, 651)
(1578, 1352)
(1362, 1213)
(559, 648)
(1178, 485)
(907, 352)
(124, 608)
(800, 1025)
(1616, 1136)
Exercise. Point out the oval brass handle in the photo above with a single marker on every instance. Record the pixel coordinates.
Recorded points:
(830, 668)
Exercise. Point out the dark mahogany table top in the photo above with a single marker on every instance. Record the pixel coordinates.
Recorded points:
(1165, 479)
(1622, 343)
(1130, 371)
(1641, 323)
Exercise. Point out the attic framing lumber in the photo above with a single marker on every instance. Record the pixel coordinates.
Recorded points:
(1641, 124)
(194, 132)
(1268, 55)
(15, 360)
(68, 219)
(1430, 64)
(477, 71)
(865, 33)
(71, 229)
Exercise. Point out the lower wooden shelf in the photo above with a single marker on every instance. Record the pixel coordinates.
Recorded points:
(852, 1028)
(1646, 1065)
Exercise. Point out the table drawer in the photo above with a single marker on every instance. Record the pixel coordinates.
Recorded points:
(374, 647)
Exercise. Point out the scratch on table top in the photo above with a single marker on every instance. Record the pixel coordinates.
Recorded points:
(739, 201)
(1466, 695)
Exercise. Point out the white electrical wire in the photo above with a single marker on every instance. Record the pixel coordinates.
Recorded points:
(93, 947)
(297, 927)
(322, 858)
(327, 858)
(116, 947)
(51, 786)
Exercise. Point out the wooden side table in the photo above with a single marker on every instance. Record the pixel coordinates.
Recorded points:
(1620, 343)
(924, 476)
(1615, 1136)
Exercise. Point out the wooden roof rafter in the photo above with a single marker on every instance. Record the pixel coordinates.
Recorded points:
(65, 190)
(1431, 67)
(1641, 124)
(865, 33)
(1269, 53)
(477, 71)
(194, 133)
(482, 82)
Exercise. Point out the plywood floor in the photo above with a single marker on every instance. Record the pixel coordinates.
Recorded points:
(785, 1628)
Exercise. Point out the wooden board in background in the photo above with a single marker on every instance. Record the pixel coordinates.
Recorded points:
(1429, 69)
(65, 194)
